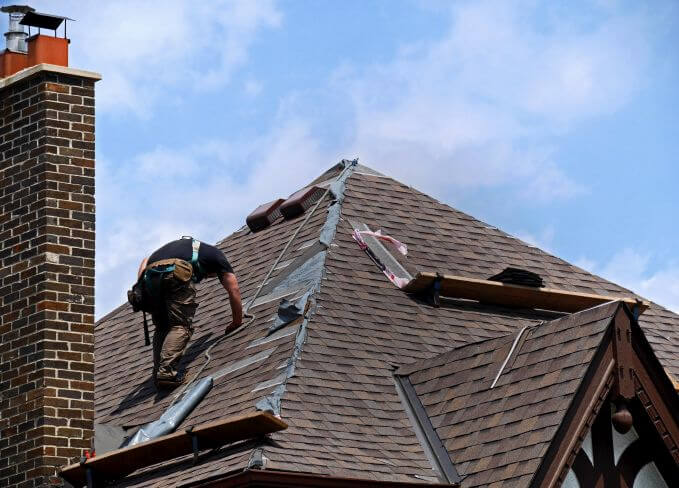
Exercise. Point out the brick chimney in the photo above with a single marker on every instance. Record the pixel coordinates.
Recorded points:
(46, 272)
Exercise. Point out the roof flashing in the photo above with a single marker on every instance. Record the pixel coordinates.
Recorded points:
(429, 440)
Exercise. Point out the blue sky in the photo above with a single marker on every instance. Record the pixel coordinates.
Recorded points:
(554, 121)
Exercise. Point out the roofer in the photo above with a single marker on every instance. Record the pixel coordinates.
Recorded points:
(169, 276)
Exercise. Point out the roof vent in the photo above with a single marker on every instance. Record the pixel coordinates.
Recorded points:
(518, 276)
(299, 201)
(15, 36)
(264, 215)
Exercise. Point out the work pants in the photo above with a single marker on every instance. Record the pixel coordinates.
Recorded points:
(173, 319)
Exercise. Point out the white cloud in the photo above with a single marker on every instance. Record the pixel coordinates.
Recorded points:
(626, 267)
(542, 240)
(253, 87)
(146, 49)
(485, 104)
(633, 270)
(166, 193)
(585, 263)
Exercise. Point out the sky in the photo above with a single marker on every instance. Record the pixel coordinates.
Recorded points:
(555, 121)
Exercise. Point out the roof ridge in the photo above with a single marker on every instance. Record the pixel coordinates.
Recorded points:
(410, 368)
(272, 402)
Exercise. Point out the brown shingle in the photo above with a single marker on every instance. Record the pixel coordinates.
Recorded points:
(345, 415)
(491, 430)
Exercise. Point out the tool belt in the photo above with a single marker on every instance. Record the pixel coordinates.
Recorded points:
(182, 270)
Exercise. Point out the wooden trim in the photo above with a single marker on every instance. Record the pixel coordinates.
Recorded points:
(656, 385)
(624, 355)
(654, 403)
(579, 417)
(121, 462)
(505, 294)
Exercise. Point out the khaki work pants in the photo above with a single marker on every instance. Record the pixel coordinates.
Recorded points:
(173, 319)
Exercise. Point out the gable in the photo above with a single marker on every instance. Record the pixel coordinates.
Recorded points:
(634, 458)
(497, 404)
(628, 379)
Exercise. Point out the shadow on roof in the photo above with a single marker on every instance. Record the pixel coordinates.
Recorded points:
(147, 389)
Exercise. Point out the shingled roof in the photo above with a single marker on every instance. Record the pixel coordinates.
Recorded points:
(497, 419)
(331, 376)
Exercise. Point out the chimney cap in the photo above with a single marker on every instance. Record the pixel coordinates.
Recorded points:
(19, 9)
(44, 21)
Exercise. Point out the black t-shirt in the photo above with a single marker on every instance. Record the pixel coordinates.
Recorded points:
(211, 259)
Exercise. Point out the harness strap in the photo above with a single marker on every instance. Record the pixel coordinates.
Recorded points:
(197, 272)
(195, 245)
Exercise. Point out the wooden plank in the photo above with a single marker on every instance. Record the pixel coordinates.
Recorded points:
(497, 293)
(121, 462)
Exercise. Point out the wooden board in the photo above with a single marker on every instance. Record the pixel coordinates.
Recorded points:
(497, 293)
(121, 462)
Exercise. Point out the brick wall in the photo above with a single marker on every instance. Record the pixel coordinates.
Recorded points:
(46, 273)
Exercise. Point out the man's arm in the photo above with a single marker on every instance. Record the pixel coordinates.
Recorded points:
(230, 284)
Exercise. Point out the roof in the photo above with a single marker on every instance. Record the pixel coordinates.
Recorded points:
(334, 372)
(497, 419)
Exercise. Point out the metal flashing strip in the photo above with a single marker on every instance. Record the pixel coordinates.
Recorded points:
(268, 384)
(276, 335)
(305, 270)
(236, 365)
(509, 355)
(431, 443)
(307, 244)
(283, 264)
(275, 295)
(174, 415)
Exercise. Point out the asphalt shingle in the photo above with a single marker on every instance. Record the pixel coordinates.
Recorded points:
(345, 416)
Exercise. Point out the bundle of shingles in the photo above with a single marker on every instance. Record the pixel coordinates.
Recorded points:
(518, 276)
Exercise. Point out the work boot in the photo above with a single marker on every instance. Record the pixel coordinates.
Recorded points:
(170, 381)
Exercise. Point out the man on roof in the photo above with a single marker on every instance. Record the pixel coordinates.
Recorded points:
(169, 274)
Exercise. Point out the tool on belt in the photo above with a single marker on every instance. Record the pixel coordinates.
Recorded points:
(147, 292)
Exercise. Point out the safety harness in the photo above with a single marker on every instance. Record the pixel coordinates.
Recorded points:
(156, 271)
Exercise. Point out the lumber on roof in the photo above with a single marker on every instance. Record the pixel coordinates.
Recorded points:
(119, 463)
(495, 292)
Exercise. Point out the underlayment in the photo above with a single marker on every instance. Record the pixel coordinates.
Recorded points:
(289, 311)
(306, 273)
(109, 437)
(314, 268)
(173, 416)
